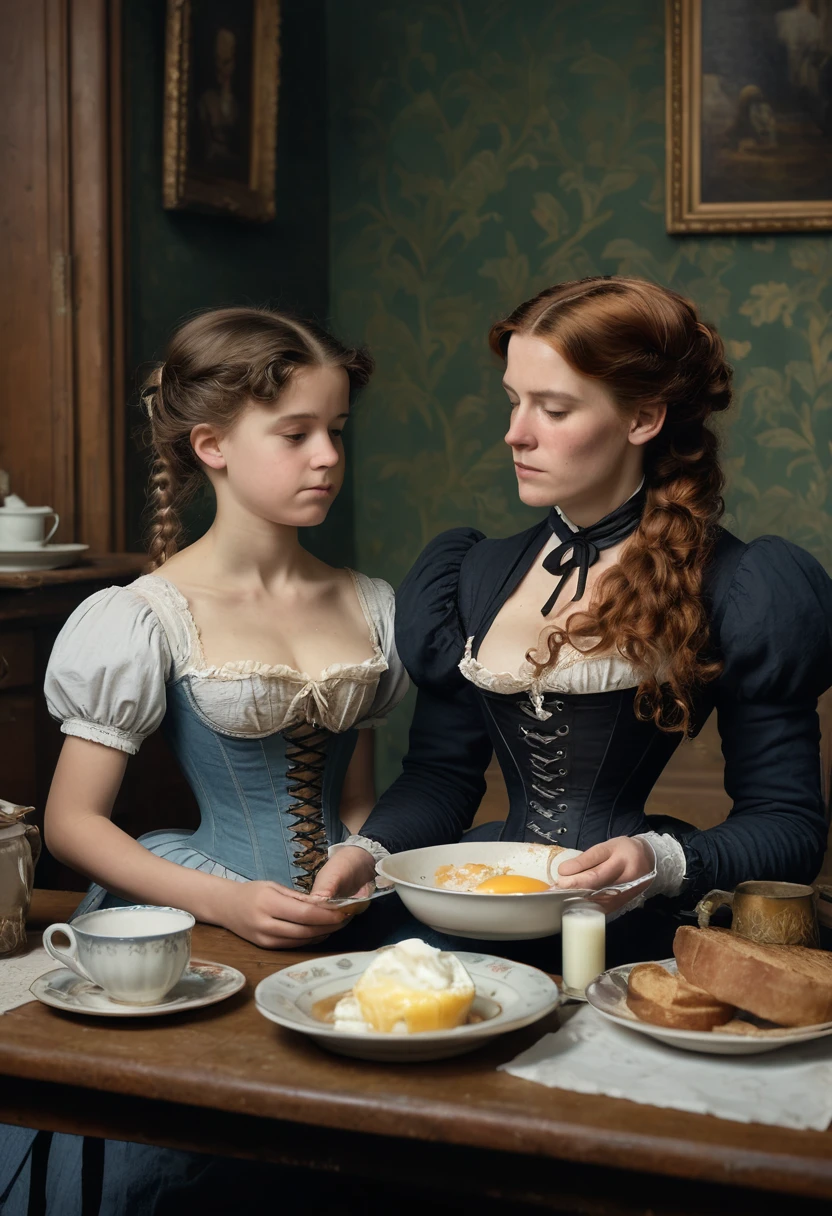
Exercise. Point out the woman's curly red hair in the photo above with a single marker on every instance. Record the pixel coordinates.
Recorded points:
(647, 344)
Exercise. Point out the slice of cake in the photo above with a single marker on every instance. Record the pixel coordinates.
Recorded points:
(410, 988)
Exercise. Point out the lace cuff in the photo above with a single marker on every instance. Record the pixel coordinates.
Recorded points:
(670, 865)
(377, 851)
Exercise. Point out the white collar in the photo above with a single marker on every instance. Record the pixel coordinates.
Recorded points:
(575, 527)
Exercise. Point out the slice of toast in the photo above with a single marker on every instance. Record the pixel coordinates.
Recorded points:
(789, 985)
(655, 996)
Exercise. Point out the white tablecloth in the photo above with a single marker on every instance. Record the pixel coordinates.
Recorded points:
(21, 970)
(790, 1087)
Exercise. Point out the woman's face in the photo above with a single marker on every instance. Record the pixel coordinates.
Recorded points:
(572, 445)
(284, 463)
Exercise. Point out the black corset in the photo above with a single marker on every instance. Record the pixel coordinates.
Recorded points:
(580, 775)
(547, 771)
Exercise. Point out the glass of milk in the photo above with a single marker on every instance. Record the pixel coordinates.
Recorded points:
(583, 943)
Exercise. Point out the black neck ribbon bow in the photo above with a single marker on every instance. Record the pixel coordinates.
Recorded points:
(580, 550)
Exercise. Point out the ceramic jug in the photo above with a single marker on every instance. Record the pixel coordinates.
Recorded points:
(19, 852)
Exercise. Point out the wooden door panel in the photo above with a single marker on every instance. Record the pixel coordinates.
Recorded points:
(33, 215)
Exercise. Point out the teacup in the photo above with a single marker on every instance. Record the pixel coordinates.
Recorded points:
(772, 913)
(26, 526)
(135, 954)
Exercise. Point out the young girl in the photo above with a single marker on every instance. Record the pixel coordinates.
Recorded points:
(582, 650)
(262, 665)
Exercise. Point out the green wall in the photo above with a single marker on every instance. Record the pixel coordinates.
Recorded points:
(481, 150)
(179, 262)
(477, 152)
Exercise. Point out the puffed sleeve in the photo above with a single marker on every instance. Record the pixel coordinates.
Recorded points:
(442, 781)
(394, 682)
(429, 634)
(776, 639)
(106, 675)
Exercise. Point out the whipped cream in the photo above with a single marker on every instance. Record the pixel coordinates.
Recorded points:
(414, 964)
(348, 1016)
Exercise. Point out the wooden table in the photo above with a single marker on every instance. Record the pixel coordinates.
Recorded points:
(226, 1080)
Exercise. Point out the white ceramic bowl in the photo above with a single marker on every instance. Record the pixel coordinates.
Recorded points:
(469, 914)
(509, 995)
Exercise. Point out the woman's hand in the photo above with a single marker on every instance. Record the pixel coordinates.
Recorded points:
(349, 871)
(276, 917)
(619, 860)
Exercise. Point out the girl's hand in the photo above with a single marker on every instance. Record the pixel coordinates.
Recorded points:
(348, 872)
(276, 917)
(621, 859)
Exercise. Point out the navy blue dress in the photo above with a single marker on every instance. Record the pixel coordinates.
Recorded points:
(770, 607)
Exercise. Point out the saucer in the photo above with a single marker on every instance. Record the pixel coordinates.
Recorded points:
(509, 995)
(39, 557)
(202, 984)
(608, 995)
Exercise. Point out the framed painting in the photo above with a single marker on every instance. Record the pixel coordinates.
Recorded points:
(220, 123)
(749, 115)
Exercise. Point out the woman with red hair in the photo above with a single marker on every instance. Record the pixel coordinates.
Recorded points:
(584, 649)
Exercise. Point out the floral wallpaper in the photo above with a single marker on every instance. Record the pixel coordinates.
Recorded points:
(482, 150)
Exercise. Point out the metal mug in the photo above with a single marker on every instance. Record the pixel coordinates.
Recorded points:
(771, 913)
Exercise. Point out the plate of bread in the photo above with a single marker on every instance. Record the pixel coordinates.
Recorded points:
(722, 994)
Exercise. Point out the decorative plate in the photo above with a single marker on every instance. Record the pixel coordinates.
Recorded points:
(509, 995)
(42, 557)
(202, 984)
(748, 1036)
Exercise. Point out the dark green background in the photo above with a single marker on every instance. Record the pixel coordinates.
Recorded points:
(438, 163)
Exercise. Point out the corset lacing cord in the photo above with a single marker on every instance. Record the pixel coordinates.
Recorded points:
(306, 756)
(544, 776)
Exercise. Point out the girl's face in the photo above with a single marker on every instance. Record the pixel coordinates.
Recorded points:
(572, 445)
(284, 463)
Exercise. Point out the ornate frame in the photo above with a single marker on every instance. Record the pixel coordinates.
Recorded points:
(181, 190)
(685, 211)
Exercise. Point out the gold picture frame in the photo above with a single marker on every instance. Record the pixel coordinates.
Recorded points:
(222, 60)
(759, 166)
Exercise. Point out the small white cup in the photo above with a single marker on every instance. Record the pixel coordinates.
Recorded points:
(135, 954)
(25, 527)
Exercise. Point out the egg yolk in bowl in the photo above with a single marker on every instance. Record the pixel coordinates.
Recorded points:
(511, 884)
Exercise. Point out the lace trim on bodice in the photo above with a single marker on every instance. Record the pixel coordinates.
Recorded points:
(265, 696)
(573, 672)
(174, 611)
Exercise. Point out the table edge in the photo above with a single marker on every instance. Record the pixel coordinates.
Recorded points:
(484, 1128)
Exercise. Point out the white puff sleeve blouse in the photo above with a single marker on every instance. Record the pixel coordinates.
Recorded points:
(106, 676)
